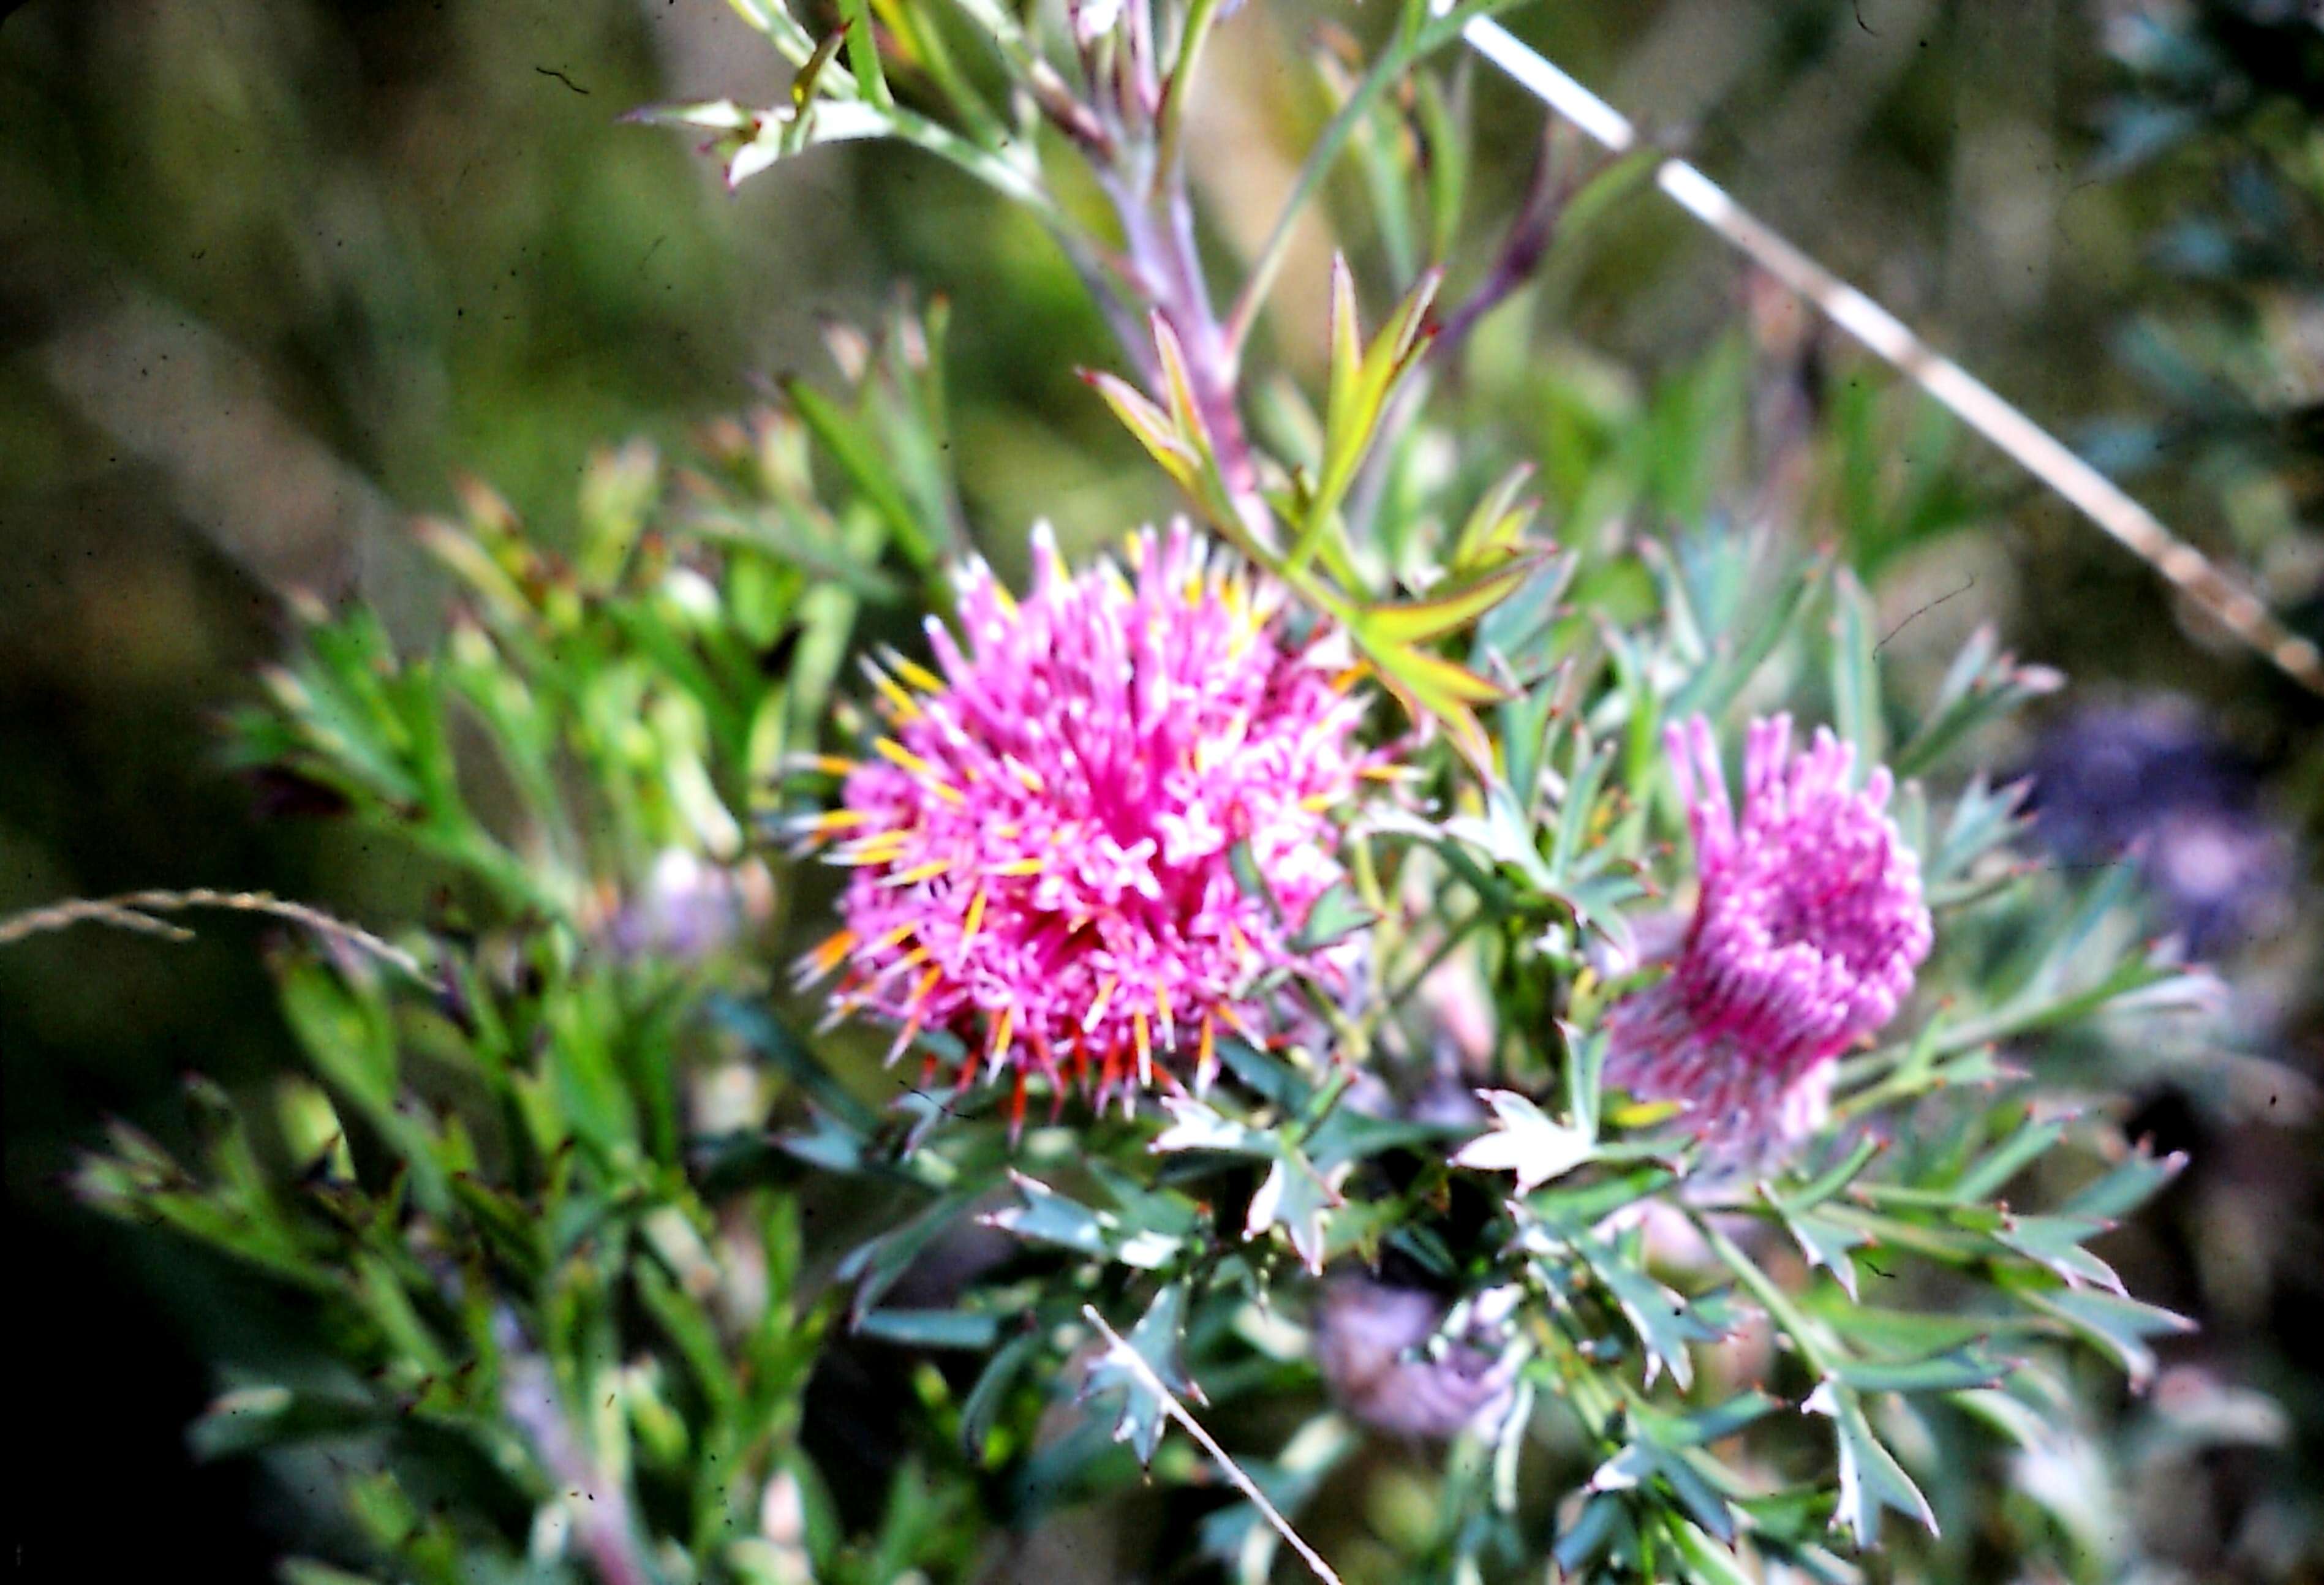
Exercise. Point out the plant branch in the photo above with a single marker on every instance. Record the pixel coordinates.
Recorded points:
(1164, 266)
(1135, 1363)
(134, 910)
(2033, 447)
(1170, 118)
(1414, 41)
(1777, 1302)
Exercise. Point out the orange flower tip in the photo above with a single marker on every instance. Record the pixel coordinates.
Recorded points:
(880, 848)
(1017, 1110)
(832, 950)
(1098, 1006)
(808, 763)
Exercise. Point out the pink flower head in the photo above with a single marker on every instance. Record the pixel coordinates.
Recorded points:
(1041, 847)
(1805, 937)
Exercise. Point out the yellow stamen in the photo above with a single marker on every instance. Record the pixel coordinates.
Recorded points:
(1017, 867)
(902, 758)
(1024, 773)
(1002, 597)
(1639, 1114)
(902, 965)
(1000, 1028)
(918, 955)
(1145, 1047)
(899, 703)
(918, 675)
(839, 819)
(1097, 1008)
(919, 872)
(873, 849)
(975, 917)
(927, 775)
(1319, 803)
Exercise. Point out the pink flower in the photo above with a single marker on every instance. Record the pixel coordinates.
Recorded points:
(1041, 848)
(1805, 937)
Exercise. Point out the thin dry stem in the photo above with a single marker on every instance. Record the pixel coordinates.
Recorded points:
(2034, 449)
(1139, 1367)
(134, 910)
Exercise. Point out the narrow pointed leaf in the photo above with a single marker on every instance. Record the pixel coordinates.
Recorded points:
(1870, 1479)
(1334, 916)
(1451, 604)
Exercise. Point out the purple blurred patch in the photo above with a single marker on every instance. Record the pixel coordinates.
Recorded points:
(1373, 1342)
(2150, 779)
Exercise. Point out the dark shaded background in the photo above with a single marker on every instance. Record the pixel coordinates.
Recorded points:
(272, 272)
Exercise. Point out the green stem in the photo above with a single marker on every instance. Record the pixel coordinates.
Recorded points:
(1777, 1302)
(1413, 43)
(1170, 122)
(928, 41)
(863, 54)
